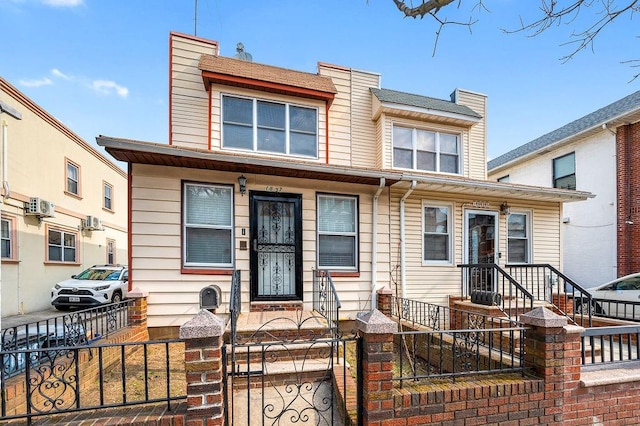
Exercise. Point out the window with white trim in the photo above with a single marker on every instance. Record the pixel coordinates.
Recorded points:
(518, 235)
(437, 226)
(267, 126)
(207, 225)
(337, 232)
(7, 238)
(419, 149)
(73, 178)
(108, 196)
(61, 246)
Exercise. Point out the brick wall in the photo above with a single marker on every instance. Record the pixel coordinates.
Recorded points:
(628, 197)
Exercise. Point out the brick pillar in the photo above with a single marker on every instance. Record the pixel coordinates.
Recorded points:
(202, 337)
(628, 198)
(552, 350)
(384, 301)
(138, 310)
(376, 331)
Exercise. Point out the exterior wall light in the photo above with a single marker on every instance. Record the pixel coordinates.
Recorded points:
(504, 208)
(242, 181)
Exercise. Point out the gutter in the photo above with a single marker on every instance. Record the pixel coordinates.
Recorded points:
(374, 249)
(403, 261)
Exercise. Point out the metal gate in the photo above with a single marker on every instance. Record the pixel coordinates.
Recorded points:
(292, 378)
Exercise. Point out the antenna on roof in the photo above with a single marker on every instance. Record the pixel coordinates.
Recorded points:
(195, 19)
(242, 55)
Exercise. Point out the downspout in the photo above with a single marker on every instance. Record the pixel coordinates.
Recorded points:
(326, 133)
(374, 249)
(5, 144)
(403, 261)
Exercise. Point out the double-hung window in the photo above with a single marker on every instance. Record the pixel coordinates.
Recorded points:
(419, 149)
(7, 239)
(73, 178)
(436, 227)
(111, 252)
(108, 196)
(337, 232)
(564, 171)
(62, 246)
(518, 233)
(271, 127)
(207, 225)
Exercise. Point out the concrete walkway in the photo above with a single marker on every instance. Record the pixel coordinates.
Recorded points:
(16, 320)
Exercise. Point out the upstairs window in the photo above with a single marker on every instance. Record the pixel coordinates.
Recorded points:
(425, 150)
(73, 178)
(518, 238)
(564, 171)
(338, 232)
(208, 225)
(108, 196)
(272, 127)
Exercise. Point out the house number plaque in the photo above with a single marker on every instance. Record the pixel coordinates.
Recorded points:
(481, 204)
(270, 188)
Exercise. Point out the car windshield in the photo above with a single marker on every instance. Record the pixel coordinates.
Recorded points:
(99, 274)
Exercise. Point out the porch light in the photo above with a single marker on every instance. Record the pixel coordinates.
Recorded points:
(504, 208)
(242, 181)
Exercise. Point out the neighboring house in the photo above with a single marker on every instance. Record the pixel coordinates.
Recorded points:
(278, 173)
(53, 181)
(598, 153)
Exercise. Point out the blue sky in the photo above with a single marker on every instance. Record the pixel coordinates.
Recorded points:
(101, 67)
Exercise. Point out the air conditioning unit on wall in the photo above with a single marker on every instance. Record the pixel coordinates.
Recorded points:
(93, 223)
(39, 207)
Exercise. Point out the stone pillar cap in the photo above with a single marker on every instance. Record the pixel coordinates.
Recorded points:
(384, 290)
(375, 322)
(137, 293)
(543, 317)
(204, 324)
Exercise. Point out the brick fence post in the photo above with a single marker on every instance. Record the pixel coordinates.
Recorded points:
(384, 301)
(138, 309)
(376, 331)
(203, 344)
(552, 350)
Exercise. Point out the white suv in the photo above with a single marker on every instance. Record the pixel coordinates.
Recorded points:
(95, 286)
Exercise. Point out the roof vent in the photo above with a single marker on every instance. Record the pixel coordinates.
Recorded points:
(242, 55)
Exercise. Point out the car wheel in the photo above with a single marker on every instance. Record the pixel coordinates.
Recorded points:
(116, 298)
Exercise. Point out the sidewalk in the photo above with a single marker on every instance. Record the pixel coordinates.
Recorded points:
(15, 320)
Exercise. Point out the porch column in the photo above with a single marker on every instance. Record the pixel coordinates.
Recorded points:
(552, 349)
(376, 331)
(202, 337)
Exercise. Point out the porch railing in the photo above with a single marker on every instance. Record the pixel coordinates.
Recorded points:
(235, 302)
(85, 378)
(441, 318)
(491, 283)
(68, 330)
(547, 283)
(601, 345)
(325, 299)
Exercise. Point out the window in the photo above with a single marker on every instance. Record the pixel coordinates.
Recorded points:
(337, 232)
(7, 238)
(111, 252)
(518, 238)
(61, 246)
(564, 171)
(504, 179)
(73, 178)
(425, 150)
(436, 234)
(263, 126)
(108, 196)
(208, 225)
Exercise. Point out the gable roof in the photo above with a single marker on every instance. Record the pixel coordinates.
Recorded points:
(590, 122)
(418, 101)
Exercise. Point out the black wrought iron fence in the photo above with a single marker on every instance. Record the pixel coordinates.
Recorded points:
(325, 299)
(90, 377)
(72, 329)
(546, 283)
(601, 345)
(438, 317)
(456, 353)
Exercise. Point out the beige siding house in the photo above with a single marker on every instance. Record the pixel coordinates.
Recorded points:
(53, 181)
(279, 173)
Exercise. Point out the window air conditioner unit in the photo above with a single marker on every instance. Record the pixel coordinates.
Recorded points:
(39, 207)
(93, 223)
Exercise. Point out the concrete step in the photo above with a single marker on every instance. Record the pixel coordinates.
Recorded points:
(279, 326)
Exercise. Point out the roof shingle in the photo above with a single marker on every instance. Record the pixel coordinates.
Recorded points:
(402, 98)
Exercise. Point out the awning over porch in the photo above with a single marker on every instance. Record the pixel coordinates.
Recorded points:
(139, 152)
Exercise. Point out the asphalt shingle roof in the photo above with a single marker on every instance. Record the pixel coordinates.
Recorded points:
(596, 118)
(395, 97)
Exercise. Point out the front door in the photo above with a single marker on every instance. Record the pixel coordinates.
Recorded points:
(481, 245)
(276, 246)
